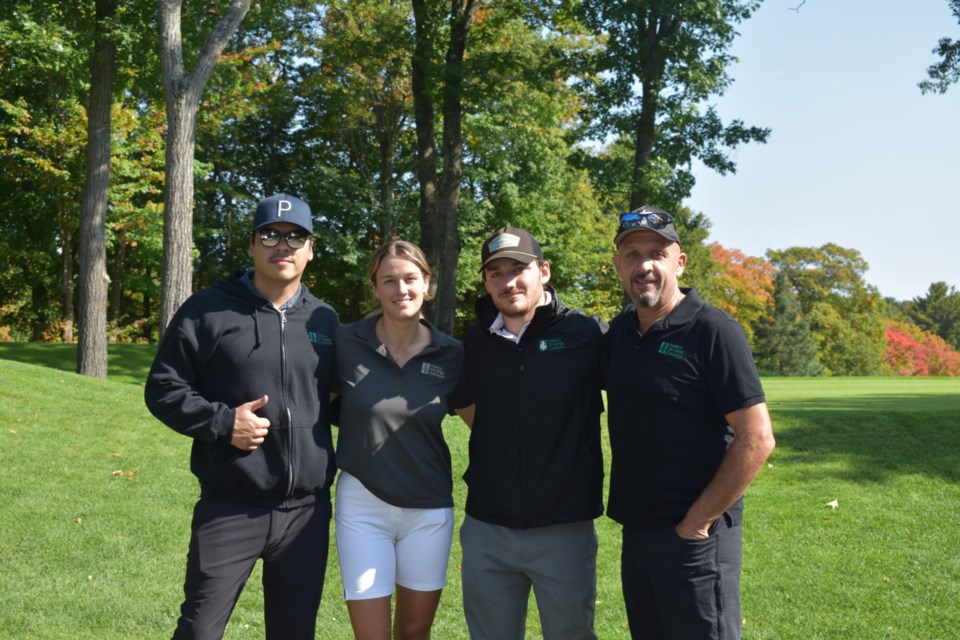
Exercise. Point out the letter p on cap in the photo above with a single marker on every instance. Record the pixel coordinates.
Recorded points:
(282, 206)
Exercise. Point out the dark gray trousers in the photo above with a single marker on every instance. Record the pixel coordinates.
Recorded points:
(225, 544)
(676, 589)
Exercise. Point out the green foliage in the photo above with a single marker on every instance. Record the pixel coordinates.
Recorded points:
(848, 344)
(354, 154)
(846, 315)
(44, 55)
(518, 170)
(937, 312)
(315, 100)
(785, 344)
(43, 50)
(657, 65)
(310, 100)
(946, 72)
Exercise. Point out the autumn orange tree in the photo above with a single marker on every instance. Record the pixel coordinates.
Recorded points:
(741, 285)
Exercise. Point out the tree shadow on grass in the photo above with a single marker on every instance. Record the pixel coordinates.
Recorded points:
(125, 362)
(869, 439)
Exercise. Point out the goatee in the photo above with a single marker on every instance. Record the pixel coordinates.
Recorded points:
(645, 299)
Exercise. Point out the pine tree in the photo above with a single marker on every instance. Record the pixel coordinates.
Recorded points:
(938, 312)
(785, 344)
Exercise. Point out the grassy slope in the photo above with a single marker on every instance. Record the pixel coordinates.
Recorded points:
(86, 552)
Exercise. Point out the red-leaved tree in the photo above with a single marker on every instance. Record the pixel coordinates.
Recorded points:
(914, 352)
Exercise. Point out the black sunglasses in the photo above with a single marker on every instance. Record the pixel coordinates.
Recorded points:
(644, 219)
(295, 239)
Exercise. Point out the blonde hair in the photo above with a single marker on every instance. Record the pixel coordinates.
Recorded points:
(405, 251)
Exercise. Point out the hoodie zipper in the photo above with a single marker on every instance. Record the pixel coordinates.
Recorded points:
(286, 405)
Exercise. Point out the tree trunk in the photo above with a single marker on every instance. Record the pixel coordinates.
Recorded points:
(147, 309)
(39, 323)
(426, 139)
(387, 139)
(182, 92)
(66, 281)
(643, 146)
(92, 349)
(177, 276)
(449, 202)
(115, 306)
(653, 30)
(439, 208)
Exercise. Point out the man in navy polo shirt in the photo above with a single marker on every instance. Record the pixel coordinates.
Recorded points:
(689, 431)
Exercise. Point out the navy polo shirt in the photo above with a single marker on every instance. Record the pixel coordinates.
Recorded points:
(391, 417)
(668, 391)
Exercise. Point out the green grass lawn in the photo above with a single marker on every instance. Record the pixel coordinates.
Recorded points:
(125, 362)
(97, 498)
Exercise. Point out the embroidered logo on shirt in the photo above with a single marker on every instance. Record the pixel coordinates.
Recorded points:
(428, 369)
(552, 344)
(671, 350)
(319, 338)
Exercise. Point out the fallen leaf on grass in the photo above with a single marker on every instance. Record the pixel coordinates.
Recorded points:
(118, 472)
(833, 504)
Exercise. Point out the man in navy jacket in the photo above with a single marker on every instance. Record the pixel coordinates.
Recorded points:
(531, 392)
(244, 369)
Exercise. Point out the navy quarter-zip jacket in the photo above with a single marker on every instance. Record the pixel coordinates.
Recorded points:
(535, 455)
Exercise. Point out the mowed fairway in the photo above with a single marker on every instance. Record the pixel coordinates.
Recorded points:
(851, 531)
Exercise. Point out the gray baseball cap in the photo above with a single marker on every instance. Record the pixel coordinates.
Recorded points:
(647, 218)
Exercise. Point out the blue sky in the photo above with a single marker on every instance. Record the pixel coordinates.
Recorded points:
(857, 155)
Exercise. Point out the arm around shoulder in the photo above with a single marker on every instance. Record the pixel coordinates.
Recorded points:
(466, 414)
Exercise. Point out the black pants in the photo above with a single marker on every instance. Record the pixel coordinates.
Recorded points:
(225, 544)
(676, 589)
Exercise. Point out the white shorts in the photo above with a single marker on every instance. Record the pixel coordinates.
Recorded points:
(381, 545)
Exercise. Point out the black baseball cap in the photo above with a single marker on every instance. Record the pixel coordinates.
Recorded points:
(647, 218)
(510, 242)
